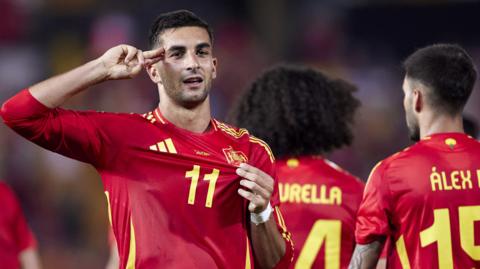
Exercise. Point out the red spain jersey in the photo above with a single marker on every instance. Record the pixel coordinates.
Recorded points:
(426, 200)
(320, 202)
(172, 194)
(15, 235)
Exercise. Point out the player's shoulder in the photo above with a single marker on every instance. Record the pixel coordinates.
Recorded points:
(261, 146)
(6, 192)
(106, 114)
(124, 118)
(3, 186)
(344, 174)
(407, 155)
(242, 136)
(231, 132)
(405, 158)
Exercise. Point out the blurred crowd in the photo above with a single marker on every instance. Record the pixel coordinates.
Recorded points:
(361, 41)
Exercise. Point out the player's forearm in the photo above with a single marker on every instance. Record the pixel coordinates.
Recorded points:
(366, 256)
(56, 90)
(268, 244)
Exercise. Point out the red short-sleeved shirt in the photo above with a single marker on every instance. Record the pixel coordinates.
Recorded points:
(172, 194)
(320, 202)
(426, 199)
(15, 235)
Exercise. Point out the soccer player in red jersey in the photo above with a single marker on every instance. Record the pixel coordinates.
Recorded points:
(426, 198)
(302, 114)
(18, 247)
(184, 190)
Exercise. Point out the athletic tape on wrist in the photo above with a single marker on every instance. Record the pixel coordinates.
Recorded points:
(263, 216)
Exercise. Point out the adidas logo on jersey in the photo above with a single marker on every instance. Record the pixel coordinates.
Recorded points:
(164, 146)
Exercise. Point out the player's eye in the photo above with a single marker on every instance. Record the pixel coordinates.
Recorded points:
(202, 52)
(176, 54)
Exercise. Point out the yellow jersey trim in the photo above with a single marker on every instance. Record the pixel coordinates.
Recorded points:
(132, 250)
(265, 146)
(248, 264)
(231, 131)
(109, 208)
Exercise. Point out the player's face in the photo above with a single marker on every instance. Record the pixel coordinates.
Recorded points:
(189, 66)
(412, 121)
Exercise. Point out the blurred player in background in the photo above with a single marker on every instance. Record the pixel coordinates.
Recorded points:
(18, 247)
(184, 190)
(303, 114)
(426, 198)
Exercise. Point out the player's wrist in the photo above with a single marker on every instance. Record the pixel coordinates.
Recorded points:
(262, 217)
(100, 72)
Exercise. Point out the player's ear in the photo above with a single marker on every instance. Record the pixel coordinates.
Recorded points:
(154, 74)
(418, 100)
(214, 72)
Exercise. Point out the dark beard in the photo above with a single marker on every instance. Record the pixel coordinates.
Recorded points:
(414, 134)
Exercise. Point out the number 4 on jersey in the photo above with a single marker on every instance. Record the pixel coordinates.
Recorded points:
(328, 232)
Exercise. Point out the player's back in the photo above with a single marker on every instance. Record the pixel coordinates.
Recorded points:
(434, 203)
(320, 201)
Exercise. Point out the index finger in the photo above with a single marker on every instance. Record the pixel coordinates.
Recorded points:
(252, 169)
(249, 172)
(155, 53)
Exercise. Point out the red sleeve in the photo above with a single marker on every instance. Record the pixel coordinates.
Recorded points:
(70, 133)
(372, 217)
(21, 232)
(263, 159)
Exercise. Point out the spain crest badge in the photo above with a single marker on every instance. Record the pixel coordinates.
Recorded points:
(234, 157)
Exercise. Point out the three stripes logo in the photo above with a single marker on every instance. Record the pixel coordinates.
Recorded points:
(164, 146)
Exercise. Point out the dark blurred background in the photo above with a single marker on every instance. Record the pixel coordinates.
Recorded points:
(361, 41)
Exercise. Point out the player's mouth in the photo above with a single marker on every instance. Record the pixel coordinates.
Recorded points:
(193, 81)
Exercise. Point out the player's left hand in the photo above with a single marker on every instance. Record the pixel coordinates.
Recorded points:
(259, 187)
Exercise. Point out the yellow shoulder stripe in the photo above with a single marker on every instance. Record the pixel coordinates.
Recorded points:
(265, 146)
(231, 131)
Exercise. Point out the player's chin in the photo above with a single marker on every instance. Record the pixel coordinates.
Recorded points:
(194, 98)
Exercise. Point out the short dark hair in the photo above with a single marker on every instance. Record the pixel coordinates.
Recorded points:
(448, 71)
(176, 19)
(297, 111)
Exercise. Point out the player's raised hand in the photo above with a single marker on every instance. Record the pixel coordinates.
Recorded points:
(153, 56)
(258, 185)
(124, 61)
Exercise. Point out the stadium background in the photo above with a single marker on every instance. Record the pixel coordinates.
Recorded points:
(362, 41)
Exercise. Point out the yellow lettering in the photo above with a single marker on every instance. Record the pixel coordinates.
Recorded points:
(478, 178)
(445, 183)
(455, 180)
(283, 191)
(295, 191)
(466, 179)
(435, 180)
(323, 195)
(306, 193)
(309, 194)
(315, 198)
(336, 196)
